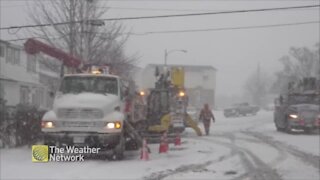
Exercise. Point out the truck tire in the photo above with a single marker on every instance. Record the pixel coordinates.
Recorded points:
(288, 128)
(131, 145)
(279, 128)
(118, 151)
(50, 142)
(308, 130)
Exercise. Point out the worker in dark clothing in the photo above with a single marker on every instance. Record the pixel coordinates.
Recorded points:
(205, 116)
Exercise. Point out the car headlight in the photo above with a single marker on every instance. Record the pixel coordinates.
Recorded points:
(47, 124)
(181, 94)
(294, 116)
(113, 125)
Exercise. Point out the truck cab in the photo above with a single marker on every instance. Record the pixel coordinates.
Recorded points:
(297, 111)
(87, 112)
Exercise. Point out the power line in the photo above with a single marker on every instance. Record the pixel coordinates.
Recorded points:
(227, 28)
(150, 9)
(179, 0)
(166, 9)
(169, 16)
(185, 0)
(201, 30)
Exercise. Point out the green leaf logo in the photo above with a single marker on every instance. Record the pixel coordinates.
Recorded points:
(40, 153)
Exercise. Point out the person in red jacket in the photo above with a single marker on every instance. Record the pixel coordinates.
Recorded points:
(205, 116)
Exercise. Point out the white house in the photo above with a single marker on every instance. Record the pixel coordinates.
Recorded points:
(200, 82)
(21, 77)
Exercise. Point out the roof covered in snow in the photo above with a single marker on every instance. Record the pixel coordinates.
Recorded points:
(187, 67)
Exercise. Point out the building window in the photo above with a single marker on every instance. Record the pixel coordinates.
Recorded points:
(31, 63)
(35, 97)
(205, 78)
(16, 58)
(24, 94)
(2, 51)
(13, 55)
(49, 99)
(42, 97)
(10, 55)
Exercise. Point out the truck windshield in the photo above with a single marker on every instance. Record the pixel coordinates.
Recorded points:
(79, 84)
(303, 99)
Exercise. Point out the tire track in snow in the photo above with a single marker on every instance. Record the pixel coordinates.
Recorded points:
(303, 156)
(255, 168)
(282, 154)
(184, 168)
(199, 167)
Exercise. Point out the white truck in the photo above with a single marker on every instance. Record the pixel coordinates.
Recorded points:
(88, 111)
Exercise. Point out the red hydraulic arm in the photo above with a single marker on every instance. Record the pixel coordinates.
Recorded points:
(33, 46)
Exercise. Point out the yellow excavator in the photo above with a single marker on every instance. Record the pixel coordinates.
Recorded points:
(167, 106)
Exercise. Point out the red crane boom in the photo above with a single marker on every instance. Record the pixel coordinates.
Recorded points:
(33, 46)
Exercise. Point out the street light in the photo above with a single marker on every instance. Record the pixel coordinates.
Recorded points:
(166, 53)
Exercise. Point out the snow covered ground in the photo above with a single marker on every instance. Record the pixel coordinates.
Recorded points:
(237, 148)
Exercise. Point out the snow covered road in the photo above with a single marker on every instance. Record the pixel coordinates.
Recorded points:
(247, 148)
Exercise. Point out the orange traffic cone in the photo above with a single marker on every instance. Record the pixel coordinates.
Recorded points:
(177, 141)
(163, 148)
(144, 151)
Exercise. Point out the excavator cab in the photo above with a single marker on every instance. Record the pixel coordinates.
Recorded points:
(157, 105)
(167, 104)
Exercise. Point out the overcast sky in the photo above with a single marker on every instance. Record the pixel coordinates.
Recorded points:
(234, 53)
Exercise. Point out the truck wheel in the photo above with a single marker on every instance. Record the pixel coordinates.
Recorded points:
(279, 129)
(308, 130)
(288, 128)
(118, 153)
(48, 142)
(131, 145)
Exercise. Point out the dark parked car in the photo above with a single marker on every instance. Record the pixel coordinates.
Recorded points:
(242, 109)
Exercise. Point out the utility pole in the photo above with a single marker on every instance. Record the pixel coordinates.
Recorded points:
(165, 61)
(87, 45)
(318, 82)
(258, 93)
(72, 27)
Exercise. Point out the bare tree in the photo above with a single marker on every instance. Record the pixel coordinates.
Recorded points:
(84, 35)
(300, 63)
(257, 87)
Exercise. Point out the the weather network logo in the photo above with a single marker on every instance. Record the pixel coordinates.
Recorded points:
(40, 153)
(44, 153)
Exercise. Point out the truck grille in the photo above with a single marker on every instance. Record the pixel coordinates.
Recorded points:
(309, 116)
(84, 113)
(82, 124)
